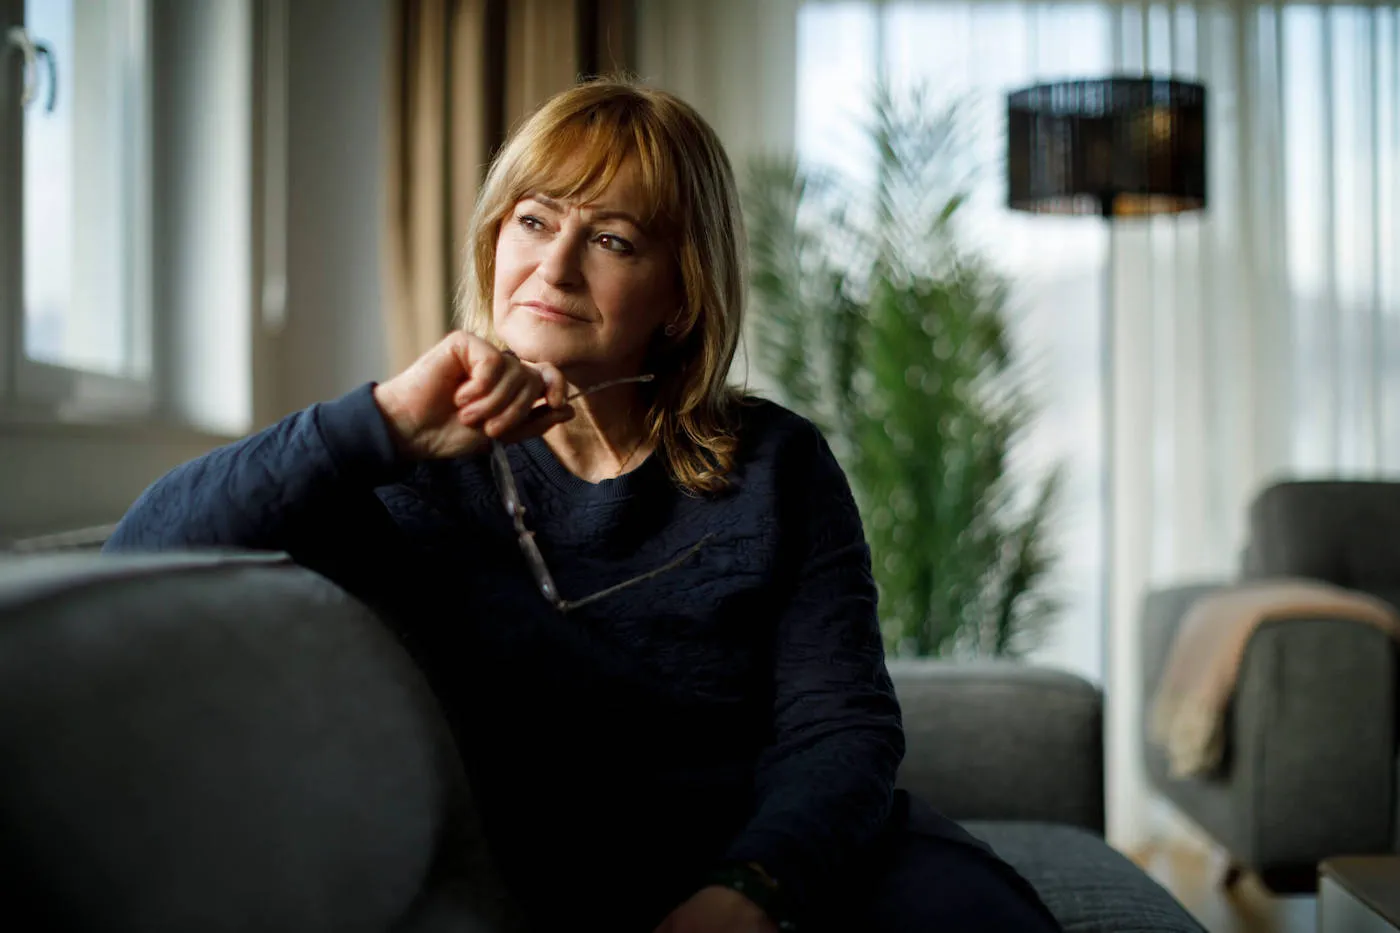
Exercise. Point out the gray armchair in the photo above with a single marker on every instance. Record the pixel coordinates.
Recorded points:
(1310, 769)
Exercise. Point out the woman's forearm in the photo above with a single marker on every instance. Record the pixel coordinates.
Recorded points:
(270, 490)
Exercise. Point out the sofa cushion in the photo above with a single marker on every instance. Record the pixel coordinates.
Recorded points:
(1088, 886)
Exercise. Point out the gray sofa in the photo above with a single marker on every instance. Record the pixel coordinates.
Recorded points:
(1312, 764)
(227, 742)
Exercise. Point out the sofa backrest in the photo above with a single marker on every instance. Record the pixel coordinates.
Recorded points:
(1341, 532)
(1002, 740)
(220, 742)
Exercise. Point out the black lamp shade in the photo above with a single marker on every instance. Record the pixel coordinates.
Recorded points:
(1112, 146)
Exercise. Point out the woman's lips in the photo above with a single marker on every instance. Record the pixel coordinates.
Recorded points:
(551, 313)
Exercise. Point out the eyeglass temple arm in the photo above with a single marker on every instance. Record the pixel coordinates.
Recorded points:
(524, 536)
(608, 384)
(539, 411)
(565, 605)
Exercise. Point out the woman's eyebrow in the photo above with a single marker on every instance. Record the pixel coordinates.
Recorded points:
(546, 201)
(606, 213)
(600, 213)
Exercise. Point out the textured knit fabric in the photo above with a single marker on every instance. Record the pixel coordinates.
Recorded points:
(222, 743)
(1006, 720)
(1340, 531)
(1091, 887)
(736, 707)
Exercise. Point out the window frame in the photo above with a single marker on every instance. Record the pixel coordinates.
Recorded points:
(32, 389)
(11, 201)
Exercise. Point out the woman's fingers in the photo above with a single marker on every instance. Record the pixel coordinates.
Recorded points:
(467, 393)
(556, 387)
(484, 366)
(515, 411)
(501, 394)
(484, 376)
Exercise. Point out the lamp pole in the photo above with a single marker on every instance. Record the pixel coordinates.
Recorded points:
(1130, 146)
(1109, 433)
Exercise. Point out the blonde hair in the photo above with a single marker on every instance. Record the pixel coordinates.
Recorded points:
(571, 148)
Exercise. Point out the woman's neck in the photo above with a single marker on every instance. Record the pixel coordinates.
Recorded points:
(607, 436)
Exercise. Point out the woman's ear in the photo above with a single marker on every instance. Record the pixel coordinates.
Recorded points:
(673, 326)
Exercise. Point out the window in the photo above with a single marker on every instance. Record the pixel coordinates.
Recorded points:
(1257, 340)
(75, 294)
(129, 239)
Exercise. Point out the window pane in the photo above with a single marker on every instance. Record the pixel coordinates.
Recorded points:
(80, 187)
(835, 61)
(48, 158)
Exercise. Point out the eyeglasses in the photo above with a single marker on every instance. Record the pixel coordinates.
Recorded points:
(510, 498)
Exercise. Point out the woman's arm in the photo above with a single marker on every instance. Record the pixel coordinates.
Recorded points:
(296, 486)
(825, 784)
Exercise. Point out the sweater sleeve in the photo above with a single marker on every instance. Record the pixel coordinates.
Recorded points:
(295, 486)
(825, 783)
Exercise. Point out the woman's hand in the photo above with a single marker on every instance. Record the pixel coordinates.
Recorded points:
(464, 393)
(717, 909)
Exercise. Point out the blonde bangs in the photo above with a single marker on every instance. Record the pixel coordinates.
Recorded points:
(577, 158)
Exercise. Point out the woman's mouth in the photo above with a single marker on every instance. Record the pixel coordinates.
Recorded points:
(550, 312)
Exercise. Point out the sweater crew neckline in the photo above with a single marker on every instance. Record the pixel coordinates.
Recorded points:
(620, 487)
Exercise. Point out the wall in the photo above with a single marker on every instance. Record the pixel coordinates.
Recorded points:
(202, 101)
(333, 338)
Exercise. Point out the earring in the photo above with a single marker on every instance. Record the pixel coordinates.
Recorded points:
(670, 330)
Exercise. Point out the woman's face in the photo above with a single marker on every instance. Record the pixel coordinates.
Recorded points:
(583, 286)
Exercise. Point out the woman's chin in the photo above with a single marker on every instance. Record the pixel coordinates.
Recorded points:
(574, 356)
(538, 345)
(568, 360)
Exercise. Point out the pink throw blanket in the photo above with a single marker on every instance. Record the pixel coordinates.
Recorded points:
(1189, 710)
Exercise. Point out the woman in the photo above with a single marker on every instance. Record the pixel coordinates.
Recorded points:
(665, 673)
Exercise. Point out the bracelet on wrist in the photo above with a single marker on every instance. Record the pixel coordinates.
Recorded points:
(758, 886)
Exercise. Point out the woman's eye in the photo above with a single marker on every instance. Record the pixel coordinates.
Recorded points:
(615, 244)
(530, 222)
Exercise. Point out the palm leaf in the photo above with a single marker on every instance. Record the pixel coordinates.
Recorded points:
(878, 326)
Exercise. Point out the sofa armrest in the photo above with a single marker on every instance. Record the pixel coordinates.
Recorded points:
(222, 740)
(1312, 745)
(1002, 741)
(1162, 613)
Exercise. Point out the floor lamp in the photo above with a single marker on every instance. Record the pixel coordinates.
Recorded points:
(1118, 147)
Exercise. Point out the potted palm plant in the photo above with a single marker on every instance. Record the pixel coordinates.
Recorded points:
(880, 326)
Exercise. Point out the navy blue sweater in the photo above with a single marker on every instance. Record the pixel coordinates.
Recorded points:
(736, 707)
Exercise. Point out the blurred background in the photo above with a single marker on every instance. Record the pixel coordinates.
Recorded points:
(216, 212)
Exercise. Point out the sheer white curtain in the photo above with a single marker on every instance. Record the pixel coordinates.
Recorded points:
(1262, 339)
(1259, 339)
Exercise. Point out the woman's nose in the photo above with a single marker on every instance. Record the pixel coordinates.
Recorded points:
(559, 266)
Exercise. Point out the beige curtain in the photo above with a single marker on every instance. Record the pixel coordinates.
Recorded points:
(462, 74)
